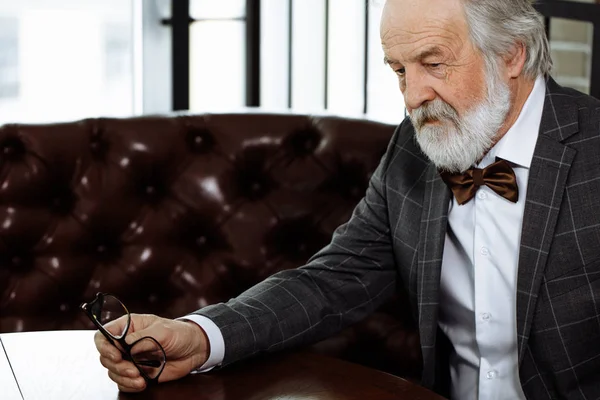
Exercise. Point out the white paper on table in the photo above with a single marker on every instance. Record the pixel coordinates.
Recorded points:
(8, 384)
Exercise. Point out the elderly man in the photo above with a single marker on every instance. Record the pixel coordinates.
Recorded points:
(484, 210)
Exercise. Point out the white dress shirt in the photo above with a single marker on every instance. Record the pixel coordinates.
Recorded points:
(478, 309)
(478, 280)
(215, 339)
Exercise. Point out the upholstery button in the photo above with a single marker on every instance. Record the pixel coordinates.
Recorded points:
(64, 307)
(153, 190)
(201, 240)
(13, 148)
(20, 262)
(251, 173)
(108, 250)
(309, 144)
(98, 148)
(63, 200)
(200, 140)
(98, 145)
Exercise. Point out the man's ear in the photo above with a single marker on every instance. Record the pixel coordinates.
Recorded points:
(515, 60)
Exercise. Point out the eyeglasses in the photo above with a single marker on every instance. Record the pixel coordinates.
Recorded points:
(145, 353)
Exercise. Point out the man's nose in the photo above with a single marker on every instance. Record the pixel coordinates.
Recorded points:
(416, 91)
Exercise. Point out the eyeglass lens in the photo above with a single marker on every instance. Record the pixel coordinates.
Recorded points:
(148, 356)
(108, 309)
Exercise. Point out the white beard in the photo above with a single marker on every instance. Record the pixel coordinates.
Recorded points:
(454, 144)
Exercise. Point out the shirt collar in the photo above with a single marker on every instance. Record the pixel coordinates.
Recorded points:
(518, 144)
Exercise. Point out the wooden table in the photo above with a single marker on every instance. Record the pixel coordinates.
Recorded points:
(64, 365)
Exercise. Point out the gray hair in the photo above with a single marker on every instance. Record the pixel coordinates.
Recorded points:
(497, 25)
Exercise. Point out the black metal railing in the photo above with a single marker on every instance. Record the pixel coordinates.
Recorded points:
(252, 53)
(290, 17)
(366, 59)
(180, 47)
(180, 23)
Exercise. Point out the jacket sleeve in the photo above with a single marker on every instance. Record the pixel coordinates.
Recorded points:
(340, 285)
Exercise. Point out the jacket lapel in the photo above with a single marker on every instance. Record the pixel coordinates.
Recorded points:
(431, 245)
(547, 177)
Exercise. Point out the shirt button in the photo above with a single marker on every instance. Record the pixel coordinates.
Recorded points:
(486, 316)
(484, 251)
(481, 195)
(491, 374)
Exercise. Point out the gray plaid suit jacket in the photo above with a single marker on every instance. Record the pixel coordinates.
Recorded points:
(394, 241)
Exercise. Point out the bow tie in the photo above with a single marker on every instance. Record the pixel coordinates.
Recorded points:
(498, 176)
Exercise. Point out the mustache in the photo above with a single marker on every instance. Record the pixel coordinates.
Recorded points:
(433, 111)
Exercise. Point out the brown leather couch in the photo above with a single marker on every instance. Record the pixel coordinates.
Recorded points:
(171, 213)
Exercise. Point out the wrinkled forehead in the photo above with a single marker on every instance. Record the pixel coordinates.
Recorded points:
(410, 21)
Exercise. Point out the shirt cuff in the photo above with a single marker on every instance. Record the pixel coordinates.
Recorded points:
(215, 340)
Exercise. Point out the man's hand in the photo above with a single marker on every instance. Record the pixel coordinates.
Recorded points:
(184, 342)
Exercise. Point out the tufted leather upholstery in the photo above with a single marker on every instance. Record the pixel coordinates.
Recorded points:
(175, 212)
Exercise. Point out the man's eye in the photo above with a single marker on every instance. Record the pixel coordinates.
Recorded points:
(435, 65)
(400, 71)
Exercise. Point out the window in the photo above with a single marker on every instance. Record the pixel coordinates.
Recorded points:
(65, 59)
(117, 50)
(571, 49)
(335, 63)
(217, 55)
(9, 58)
(316, 56)
(574, 32)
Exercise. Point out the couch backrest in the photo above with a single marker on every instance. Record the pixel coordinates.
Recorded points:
(170, 213)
